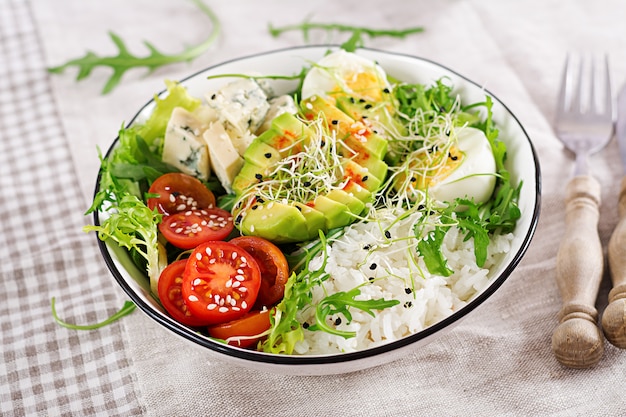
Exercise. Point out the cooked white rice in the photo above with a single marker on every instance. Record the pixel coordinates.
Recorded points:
(398, 268)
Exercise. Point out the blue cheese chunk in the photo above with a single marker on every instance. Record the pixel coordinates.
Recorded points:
(225, 160)
(278, 105)
(183, 146)
(241, 105)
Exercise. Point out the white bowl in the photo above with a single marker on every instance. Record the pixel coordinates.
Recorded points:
(522, 163)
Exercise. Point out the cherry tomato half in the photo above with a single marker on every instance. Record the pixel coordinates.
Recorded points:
(171, 296)
(221, 282)
(273, 265)
(186, 230)
(179, 192)
(252, 324)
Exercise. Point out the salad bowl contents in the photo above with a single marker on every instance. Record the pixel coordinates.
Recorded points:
(315, 211)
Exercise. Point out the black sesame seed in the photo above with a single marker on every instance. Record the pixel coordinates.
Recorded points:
(371, 279)
(268, 155)
(351, 99)
(387, 234)
(305, 325)
(299, 208)
(260, 200)
(364, 117)
(408, 304)
(254, 207)
(258, 176)
(238, 219)
(323, 143)
(386, 91)
(335, 122)
(454, 157)
(364, 178)
(306, 183)
(373, 266)
(421, 207)
(408, 290)
(213, 97)
(367, 247)
(413, 179)
(361, 100)
(368, 106)
(337, 321)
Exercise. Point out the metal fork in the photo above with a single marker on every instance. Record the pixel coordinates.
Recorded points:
(584, 123)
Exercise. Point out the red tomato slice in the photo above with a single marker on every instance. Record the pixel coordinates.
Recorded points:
(252, 324)
(179, 192)
(171, 295)
(273, 265)
(186, 230)
(221, 282)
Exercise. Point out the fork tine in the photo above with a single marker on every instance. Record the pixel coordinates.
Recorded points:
(608, 98)
(562, 99)
(576, 101)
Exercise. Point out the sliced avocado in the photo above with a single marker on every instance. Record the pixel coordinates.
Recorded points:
(280, 223)
(353, 188)
(374, 113)
(250, 174)
(361, 176)
(355, 205)
(315, 220)
(356, 135)
(335, 213)
(260, 153)
(287, 134)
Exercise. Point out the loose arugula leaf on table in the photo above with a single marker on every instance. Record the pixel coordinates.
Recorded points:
(356, 39)
(125, 60)
(126, 309)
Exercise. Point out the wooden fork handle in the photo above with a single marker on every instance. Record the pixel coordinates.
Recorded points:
(577, 341)
(614, 317)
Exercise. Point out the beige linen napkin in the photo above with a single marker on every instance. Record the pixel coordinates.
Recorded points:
(495, 362)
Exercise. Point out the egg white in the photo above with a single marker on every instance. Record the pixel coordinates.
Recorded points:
(338, 71)
(475, 177)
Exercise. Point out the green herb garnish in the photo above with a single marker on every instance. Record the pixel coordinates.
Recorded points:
(357, 32)
(126, 309)
(125, 60)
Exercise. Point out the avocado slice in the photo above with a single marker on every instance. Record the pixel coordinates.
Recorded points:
(353, 188)
(250, 174)
(355, 205)
(261, 154)
(374, 113)
(287, 135)
(361, 176)
(315, 220)
(280, 223)
(335, 213)
(357, 136)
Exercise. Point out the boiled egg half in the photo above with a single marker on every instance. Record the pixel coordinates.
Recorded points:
(465, 169)
(345, 73)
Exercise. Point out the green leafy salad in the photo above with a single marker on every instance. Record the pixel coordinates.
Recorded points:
(350, 212)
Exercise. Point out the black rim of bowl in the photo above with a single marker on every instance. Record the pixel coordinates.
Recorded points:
(277, 359)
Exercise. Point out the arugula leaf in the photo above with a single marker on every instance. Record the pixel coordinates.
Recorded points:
(339, 302)
(125, 60)
(126, 309)
(429, 247)
(286, 330)
(356, 39)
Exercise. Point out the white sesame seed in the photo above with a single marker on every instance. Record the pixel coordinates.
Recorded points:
(223, 309)
(179, 230)
(199, 256)
(197, 281)
(172, 198)
(235, 308)
(239, 277)
(192, 298)
(243, 289)
(244, 304)
(239, 271)
(217, 298)
(229, 283)
(208, 251)
(236, 284)
(211, 307)
(309, 106)
(233, 302)
(234, 255)
(252, 228)
(212, 261)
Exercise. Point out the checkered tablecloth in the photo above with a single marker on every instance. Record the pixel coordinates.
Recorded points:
(47, 369)
(497, 362)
